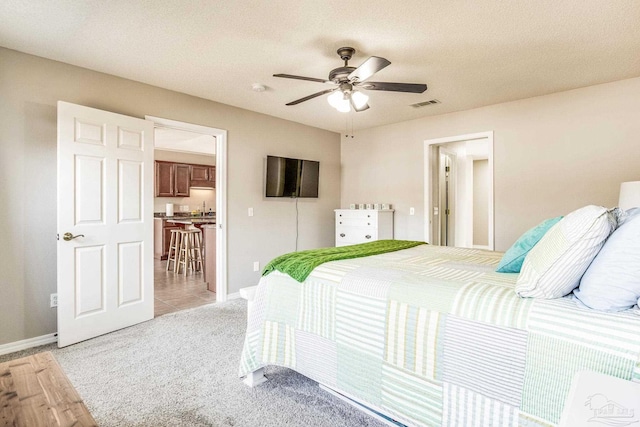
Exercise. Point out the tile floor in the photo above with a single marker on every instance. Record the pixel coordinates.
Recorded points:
(175, 292)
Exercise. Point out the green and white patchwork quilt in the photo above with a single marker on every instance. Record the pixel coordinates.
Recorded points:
(433, 336)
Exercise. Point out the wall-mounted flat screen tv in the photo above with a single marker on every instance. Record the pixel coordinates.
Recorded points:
(292, 177)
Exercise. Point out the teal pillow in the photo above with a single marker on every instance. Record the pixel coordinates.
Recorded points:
(512, 260)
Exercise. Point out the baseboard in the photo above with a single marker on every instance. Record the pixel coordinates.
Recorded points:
(234, 295)
(12, 347)
(50, 338)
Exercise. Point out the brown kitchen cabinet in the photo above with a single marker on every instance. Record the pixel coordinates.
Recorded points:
(203, 176)
(172, 179)
(182, 179)
(165, 186)
(212, 176)
(199, 173)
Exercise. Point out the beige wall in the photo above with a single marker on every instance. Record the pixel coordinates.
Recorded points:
(552, 154)
(29, 89)
(196, 195)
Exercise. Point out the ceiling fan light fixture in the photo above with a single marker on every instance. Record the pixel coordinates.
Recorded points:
(335, 99)
(344, 106)
(359, 99)
(338, 101)
(348, 78)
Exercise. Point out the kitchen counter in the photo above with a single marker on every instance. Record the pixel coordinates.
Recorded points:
(191, 220)
(186, 218)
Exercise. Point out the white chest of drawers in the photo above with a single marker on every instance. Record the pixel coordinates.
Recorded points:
(355, 226)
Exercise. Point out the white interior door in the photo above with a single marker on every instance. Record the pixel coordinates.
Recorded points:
(447, 198)
(105, 209)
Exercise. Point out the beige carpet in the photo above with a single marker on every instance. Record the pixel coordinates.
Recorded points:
(181, 369)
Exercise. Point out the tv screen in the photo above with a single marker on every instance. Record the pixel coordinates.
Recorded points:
(292, 177)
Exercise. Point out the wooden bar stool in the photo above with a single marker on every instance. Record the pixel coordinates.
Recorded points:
(197, 248)
(190, 251)
(174, 246)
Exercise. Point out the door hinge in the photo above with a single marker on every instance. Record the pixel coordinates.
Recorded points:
(447, 211)
(447, 168)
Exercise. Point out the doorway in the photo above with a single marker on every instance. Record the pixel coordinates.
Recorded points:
(459, 191)
(176, 141)
(179, 286)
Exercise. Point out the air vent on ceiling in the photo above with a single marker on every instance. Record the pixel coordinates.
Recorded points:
(425, 103)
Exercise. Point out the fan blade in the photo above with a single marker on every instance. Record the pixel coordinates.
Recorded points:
(394, 87)
(315, 95)
(356, 109)
(368, 68)
(311, 79)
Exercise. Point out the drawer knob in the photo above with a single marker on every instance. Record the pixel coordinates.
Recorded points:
(368, 223)
(342, 234)
(368, 236)
(340, 222)
(368, 216)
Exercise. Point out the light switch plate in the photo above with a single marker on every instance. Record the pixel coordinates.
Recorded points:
(250, 210)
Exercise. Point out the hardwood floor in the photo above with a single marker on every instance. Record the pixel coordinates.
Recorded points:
(34, 391)
(175, 292)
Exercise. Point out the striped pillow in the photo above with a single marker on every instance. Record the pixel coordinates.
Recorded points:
(553, 268)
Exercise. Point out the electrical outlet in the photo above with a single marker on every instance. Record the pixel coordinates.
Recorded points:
(412, 211)
(53, 300)
(250, 211)
(256, 266)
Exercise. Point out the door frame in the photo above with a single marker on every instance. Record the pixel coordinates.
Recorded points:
(221, 194)
(431, 182)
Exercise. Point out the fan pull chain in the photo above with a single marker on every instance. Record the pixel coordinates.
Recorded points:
(346, 126)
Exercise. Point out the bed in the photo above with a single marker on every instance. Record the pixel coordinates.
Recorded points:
(433, 336)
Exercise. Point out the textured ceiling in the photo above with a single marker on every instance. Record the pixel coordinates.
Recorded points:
(469, 53)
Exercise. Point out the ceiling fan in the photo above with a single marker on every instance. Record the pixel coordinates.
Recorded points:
(345, 96)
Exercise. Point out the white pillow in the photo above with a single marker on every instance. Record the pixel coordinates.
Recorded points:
(552, 269)
(612, 281)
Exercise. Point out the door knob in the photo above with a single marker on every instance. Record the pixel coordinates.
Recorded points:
(342, 234)
(368, 236)
(68, 236)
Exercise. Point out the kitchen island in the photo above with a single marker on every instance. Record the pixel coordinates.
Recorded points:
(164, 224)
(191, 220)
